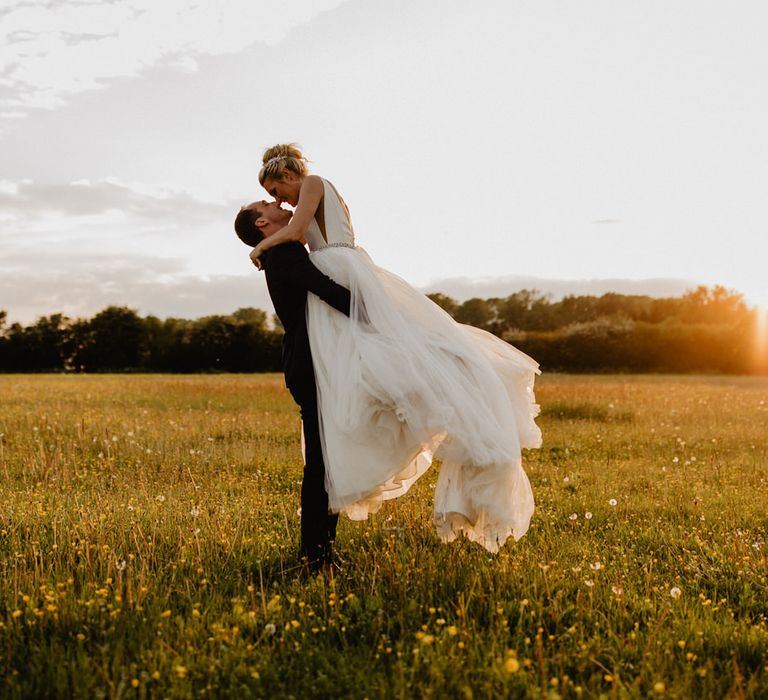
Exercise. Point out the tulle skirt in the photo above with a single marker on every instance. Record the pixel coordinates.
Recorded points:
(400, 379)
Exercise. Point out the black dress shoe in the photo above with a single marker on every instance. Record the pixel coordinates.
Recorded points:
(338, 561)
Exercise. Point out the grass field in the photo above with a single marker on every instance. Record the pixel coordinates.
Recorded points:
(148, 536)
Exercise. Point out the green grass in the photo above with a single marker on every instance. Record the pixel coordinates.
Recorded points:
(148, 536)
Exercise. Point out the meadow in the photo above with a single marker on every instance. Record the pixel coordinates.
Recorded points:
(149, 528)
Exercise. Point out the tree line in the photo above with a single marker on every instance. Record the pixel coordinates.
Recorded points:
(704, 330)
(117, 339)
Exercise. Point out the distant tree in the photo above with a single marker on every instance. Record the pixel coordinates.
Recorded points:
(476, 312)
(40, 347)
(253, 317)
(633, 307)
(163, 340)
(527, 309)
(664, 308)
(114, 339)
(210, 339)
(445, 302)
(13, 350)
(575, 309)
(46, 343)
(716, 305)
(236, 343)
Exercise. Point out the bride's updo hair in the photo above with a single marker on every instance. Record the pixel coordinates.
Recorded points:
(278, 159)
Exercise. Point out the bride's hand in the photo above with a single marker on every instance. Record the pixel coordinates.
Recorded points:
(256, 254)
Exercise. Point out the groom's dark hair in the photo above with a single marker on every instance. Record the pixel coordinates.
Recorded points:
(246, 229)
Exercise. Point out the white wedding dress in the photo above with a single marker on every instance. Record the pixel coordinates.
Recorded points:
(401, 378)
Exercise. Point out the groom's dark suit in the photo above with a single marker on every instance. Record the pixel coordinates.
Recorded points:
(290, 275)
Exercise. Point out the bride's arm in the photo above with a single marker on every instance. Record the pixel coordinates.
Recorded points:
(309, 197)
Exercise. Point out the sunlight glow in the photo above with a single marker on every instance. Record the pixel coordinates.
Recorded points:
(761, 338)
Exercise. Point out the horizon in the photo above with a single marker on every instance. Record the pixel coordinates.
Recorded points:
(459, 289)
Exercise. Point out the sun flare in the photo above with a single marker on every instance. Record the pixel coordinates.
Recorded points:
(761, 337)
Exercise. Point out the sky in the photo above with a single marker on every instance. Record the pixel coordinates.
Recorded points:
(482, 147)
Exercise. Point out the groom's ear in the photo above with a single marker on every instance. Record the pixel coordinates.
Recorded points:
(260, 222)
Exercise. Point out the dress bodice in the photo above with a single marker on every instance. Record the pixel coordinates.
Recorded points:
(338, 225)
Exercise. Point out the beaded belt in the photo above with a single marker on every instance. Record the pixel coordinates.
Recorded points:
(336, 245)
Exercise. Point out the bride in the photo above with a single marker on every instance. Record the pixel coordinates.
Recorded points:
(400, 378)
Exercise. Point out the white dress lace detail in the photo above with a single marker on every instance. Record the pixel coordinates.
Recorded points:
(399, 379)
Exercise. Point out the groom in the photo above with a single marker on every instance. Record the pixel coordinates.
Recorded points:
(290, 275)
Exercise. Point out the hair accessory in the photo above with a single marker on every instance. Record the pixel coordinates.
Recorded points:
(274, 159)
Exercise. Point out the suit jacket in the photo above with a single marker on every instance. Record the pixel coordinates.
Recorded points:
(290, 275)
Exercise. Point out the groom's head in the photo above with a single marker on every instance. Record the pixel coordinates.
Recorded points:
(260, 220)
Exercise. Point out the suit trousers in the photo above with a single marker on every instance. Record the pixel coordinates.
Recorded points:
(318, 526)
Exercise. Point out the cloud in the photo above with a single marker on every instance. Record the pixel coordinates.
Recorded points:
(50, 51)
(106, 224)
(157, 286)
(34, 200)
